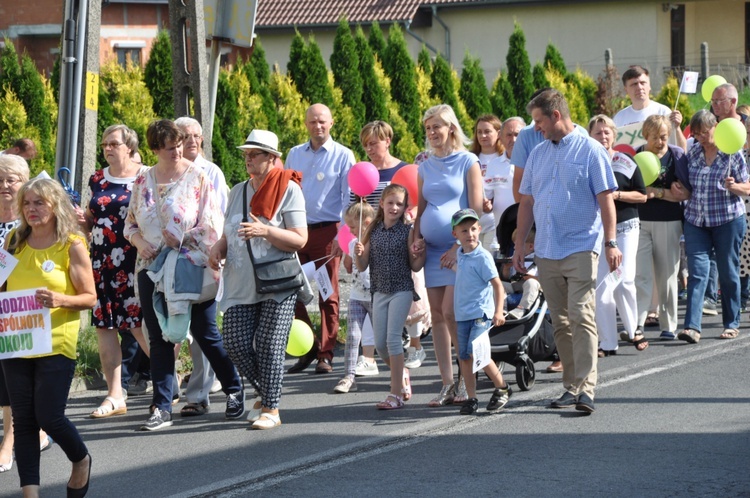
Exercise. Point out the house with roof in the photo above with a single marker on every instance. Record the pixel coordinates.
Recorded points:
(653, 33)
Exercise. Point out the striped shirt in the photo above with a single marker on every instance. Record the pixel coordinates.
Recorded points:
(564, 179)
(711, 204)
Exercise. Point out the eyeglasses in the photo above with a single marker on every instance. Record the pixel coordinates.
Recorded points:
(253, 155)
(107, 145)
(195, 137)
(9, 181)
(719, 101)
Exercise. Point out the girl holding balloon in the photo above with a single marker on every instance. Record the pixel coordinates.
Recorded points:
(385, 249)
(360, 300)
(658, 257)
(716, 176)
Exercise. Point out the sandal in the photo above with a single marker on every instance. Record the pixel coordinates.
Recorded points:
(640, 344)
(652, 320)
(444, 398)
(267, 421)
(690, 336)
(194, 409)
(391, 402)
(109, 407)
(459, 393)
(603, 353)
(729, 334)
(406, 391)
(625, 337)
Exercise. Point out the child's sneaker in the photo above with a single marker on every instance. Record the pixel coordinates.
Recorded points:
(516, 313)
(365, 368)
(470, 406)
(345, 385)
(499, 398)
(414, 357)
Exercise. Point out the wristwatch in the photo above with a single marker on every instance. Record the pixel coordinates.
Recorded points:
(611, 243)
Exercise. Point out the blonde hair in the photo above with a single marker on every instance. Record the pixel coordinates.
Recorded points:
(10, 164)
(66, 221)
(604, 119)
(445, 113)
(356, 208)
(393, 188)
(377, 129)
(653, 124)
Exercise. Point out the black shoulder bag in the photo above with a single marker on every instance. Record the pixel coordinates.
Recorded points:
(273, 276)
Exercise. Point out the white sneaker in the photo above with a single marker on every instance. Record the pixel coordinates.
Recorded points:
(365, 369)
(414, 357)
(215, 387)
(516, 313)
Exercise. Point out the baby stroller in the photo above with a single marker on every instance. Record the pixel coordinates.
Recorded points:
(528, 339)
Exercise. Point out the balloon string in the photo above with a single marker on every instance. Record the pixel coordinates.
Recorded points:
(361, 208)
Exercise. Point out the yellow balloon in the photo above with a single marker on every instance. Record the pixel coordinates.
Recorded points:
(300, 339)
(730, 135)
(649, 165)
(710, 85)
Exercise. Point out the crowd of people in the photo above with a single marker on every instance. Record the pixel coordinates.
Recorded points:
(158, 250)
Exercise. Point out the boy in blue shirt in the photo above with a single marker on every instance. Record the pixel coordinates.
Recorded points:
(478, 295)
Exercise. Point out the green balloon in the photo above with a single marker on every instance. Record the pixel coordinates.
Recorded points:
(707, 90)
(730, 135)
(649, 165)
(300, 339)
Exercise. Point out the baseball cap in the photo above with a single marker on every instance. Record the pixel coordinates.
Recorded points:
(464, 214)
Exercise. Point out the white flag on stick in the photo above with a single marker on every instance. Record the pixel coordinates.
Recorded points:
(689, 82)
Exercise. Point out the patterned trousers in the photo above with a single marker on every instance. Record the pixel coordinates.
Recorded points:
(358, 310)
(255, 336)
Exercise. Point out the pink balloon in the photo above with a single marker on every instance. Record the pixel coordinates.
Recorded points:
(407, 178)
(363, 178)
(345, 238)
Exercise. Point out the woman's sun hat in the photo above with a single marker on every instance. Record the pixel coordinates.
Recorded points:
(262, 140)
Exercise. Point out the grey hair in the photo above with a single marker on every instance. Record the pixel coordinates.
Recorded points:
(186, 121)
(701, 121)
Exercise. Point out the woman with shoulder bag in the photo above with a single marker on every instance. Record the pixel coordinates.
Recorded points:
(265, 226)
(174, 205)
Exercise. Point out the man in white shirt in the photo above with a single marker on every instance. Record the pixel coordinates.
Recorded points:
(638, 87)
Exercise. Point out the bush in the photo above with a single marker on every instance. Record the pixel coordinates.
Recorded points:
(291, 108)
(157, 75)
(667, 96)
(576, 103)
(473, 89)
(553, 60)
(373, 94)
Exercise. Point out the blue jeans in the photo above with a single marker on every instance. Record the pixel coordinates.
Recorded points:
(467, 331)
(204, 330)
(726, 240)
(712, 285)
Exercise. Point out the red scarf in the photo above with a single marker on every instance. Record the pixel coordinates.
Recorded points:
(267, 198)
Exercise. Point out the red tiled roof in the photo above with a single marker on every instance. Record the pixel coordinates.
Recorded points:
(283, 13)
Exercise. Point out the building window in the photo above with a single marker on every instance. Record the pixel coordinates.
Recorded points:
(677, 21)
(128, 51)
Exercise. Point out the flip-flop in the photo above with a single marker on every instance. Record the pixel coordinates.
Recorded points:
(729, 334)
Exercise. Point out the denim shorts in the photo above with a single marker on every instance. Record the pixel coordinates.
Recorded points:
(468, 330)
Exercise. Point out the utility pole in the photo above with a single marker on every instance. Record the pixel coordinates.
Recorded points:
(187, 33)
(79, 91)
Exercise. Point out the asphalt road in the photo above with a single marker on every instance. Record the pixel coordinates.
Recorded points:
(673, 420)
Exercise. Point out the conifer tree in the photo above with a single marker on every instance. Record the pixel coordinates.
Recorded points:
(501, 97)
(400, 69)
(377, 41)
(424, 60)
(259, 76)
(442, 83)
(10, 69)
(553, 59)
(32, 94)
(291, 108)
(473, 90)
(519, 71)
(345, 66)
(226, 136)
(316, 88)
(540, 77)
(158, 76)
(295, 67)
(373, 94)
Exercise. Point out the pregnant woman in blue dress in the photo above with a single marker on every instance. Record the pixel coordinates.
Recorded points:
(449, 179)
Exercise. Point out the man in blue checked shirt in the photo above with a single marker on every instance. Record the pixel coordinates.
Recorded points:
(567, 190)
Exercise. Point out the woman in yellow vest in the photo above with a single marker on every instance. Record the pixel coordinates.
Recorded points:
(52, 258)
